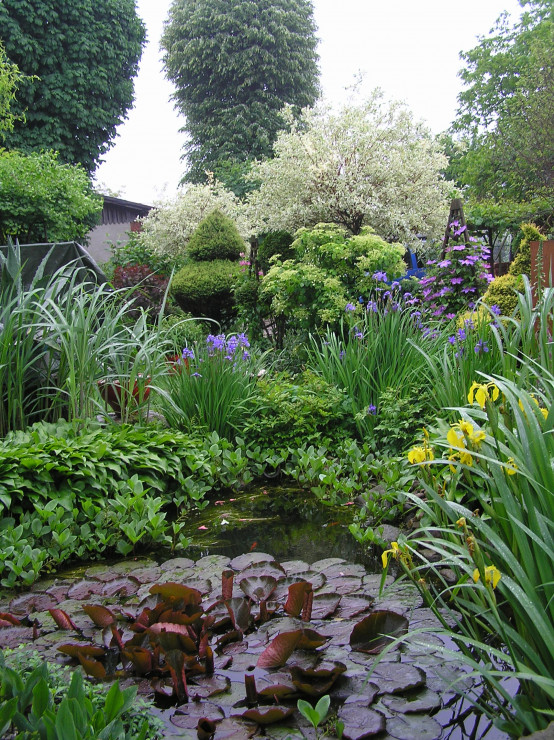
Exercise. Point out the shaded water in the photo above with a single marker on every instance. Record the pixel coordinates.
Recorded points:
(287, 523)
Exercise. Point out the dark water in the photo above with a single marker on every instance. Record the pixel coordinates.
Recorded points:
(286, 523)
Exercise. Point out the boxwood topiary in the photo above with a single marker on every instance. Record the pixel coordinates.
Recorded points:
(205, 289)
(215, 238)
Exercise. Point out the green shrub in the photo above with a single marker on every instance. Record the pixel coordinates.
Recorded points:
(291, 412)
(276, 242)
(502, 293)
(42, 200)
(205, 289)
(183, 329)
(501, 290)
(135, 252)
(215, 238)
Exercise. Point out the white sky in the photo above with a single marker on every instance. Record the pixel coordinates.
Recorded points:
(409, 48)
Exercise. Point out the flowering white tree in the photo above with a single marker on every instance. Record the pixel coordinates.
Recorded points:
(168, 227)
(370, 164)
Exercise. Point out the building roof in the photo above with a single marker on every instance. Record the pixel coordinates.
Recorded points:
(119, 211)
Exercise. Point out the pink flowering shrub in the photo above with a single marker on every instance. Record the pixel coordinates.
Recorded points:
(455, 282)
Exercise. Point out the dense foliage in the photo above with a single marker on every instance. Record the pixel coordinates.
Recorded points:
(9, 78)
(370, 164)
(505, 114)
(215, 238)
(43, 200)
(167, 229)
(234, 66)
(71, 54)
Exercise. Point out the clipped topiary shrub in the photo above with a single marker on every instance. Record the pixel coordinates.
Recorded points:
(205, 289)
(215, 238)
(502, 293)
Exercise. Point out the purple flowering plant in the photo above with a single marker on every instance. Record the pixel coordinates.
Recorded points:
(458, 279)
(216, 383)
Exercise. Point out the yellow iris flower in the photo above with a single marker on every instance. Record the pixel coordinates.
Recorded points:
(394, 551)
(482, 392)
(420, 455)
(492, 575)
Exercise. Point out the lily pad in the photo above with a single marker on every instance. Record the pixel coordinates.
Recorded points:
(11, 637)
(32, 602)
(393, 678)
(177, 564)
(126, 586)
(420, 701)
(325, 605)
(361, 722)
(320, 565)
(250, 558)
(268, 716)
(85, 589)
(258, 588)
(409, 726)
(206, 686)
(377, 630)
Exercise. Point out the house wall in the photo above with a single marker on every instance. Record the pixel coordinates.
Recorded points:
(102, 236)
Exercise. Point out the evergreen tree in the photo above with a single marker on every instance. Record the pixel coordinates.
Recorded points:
(235, 64)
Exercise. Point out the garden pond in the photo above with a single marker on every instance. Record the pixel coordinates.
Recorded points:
(272, 604)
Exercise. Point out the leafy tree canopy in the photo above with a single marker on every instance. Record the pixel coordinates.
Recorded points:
(235, 63)
(370, 164)
(505, 114)
(80, 57)
(42, 200)
(9, 79)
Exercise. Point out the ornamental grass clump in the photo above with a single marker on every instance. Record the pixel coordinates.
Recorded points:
(211, 385)
(488, 518)
(375, 351)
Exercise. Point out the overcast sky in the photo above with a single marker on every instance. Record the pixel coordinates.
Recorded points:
(409, 48)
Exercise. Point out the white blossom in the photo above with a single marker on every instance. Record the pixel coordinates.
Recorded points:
(370, 164)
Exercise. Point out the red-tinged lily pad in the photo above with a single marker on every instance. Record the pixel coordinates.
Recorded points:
(100, 615)
(227, 578)
(177, 592)
(362, 722)
(206, 686)
(172, 637)
(311, 640)
(33, 602)
(11, 637)
(258, 588)
(74, 649)
(316, 681)
(250, 558)
(205, 729)
(92, 667)
(325, 605)
(296, 597)
(239, 610)
(352, 606)
(279, 650)
(8, 620)
(269, 716)
(277, 692)
(126, 586)
(377, 631)
(62, 619)
(140, 657)
(85, 589)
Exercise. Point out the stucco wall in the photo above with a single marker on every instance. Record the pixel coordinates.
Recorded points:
(100, 238)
